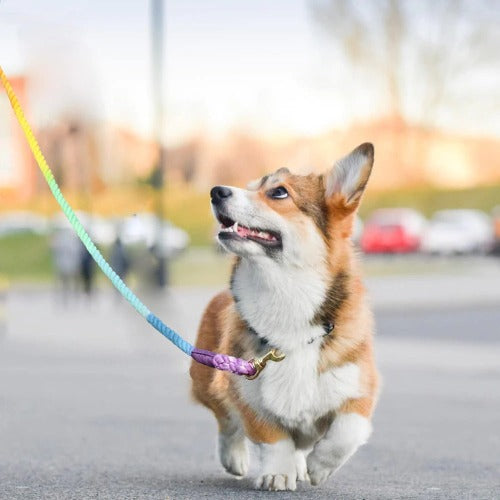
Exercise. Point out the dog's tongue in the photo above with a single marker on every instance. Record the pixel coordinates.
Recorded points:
(244, 231)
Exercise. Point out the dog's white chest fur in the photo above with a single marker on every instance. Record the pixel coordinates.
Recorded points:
(293, 391)
(280, 307)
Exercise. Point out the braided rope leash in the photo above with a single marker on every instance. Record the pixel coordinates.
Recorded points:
(224, 362)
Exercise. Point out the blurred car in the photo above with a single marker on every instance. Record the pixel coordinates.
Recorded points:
(22, 222)
(100, 229)
(144, 229)
(393, 230)
(458, 232)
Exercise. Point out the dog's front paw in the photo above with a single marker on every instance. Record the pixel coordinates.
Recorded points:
(234, 454)
(277, 482)
(301, 466)
(317, 472)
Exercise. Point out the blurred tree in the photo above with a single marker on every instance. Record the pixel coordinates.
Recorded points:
(419, 50)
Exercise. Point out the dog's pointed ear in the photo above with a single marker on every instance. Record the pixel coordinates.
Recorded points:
(347, 180)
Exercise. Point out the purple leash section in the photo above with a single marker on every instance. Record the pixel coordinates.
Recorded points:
(250, 369)
(224, 362)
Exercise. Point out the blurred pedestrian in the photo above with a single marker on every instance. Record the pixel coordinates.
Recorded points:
(86, 270)
(119, 259)
(66, 257)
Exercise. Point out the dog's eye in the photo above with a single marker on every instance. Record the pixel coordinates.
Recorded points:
(278, 193)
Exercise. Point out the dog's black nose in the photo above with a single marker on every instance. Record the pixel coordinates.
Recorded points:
(219, 193)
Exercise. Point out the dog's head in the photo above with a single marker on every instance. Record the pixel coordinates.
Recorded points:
(293, 218)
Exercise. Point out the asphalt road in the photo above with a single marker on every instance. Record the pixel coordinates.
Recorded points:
(94, 404)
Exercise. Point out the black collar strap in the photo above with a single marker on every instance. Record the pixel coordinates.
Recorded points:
(327, 327)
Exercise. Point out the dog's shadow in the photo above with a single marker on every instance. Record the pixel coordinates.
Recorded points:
(231, 488)
(184, 486)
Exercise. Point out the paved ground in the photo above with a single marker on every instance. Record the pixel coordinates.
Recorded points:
(93, 404)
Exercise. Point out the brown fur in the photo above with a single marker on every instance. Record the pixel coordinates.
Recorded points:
(306, 196)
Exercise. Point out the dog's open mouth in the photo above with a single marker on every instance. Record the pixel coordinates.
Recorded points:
(231, 229)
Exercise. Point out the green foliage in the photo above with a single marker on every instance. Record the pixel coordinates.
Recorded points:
(429, 200)
(25, 256)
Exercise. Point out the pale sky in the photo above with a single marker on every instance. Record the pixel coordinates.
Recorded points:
(260, 65)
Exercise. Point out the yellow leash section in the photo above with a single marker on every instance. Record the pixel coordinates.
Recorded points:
(28, 133)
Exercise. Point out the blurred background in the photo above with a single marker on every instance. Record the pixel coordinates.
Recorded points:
(140, 114)
(141, 107)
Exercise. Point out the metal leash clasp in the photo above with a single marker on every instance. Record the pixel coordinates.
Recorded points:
(260, 363)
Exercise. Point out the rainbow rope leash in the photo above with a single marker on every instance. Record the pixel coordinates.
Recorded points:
(220, 361)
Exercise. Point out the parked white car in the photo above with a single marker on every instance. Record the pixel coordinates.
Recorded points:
(100, 229)
(458, 232)
(136, 230)
(144, 229)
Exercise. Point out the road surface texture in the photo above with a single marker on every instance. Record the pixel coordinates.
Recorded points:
(95, 404)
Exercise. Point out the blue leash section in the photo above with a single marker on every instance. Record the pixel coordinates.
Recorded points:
(170, 334)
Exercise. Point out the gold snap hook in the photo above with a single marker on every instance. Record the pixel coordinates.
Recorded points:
(260, 363)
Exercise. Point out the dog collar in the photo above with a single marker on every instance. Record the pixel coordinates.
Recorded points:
(327, 328)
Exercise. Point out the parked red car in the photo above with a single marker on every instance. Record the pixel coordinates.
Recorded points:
(393, 230)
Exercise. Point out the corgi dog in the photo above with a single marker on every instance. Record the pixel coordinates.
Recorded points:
(295, 287)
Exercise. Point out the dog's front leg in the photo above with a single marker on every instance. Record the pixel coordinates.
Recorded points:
(346, 434)
(278, 469)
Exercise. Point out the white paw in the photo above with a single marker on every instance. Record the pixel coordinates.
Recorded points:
(278, 471)
(318, 473)
(277, 482)
(301, 466)
(234, 454)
